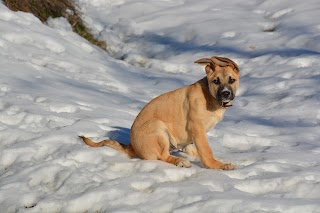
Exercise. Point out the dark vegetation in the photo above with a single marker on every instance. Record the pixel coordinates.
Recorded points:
(43, 9)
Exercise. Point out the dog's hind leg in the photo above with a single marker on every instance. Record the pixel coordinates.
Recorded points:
(159, 150)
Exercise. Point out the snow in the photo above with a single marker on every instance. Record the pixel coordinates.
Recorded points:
(54, 86)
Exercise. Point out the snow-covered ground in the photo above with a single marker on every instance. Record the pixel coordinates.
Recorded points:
(54, 86)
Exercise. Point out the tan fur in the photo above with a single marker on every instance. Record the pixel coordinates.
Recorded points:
(111, 143)
(179, 118)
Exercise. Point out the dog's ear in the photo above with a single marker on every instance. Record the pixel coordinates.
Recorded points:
(208, 63)
(203, 61)
(221, 61)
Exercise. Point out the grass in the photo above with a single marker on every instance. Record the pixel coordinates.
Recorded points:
(43, 9)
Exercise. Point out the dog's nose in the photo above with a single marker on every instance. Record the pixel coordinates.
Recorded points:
(225, 94)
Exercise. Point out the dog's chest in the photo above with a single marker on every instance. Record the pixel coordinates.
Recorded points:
(212, 118)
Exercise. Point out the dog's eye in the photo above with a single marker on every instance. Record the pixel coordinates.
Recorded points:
(231, 80)
(216, 81)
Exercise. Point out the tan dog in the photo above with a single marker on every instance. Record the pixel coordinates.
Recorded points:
(177, 119)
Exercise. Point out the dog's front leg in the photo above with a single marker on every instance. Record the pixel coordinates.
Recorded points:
(204, 151)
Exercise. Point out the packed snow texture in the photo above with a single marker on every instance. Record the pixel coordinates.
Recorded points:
(54, 86)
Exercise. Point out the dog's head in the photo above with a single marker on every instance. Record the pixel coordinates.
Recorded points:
(223, 78)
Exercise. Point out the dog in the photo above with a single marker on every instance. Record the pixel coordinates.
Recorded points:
(179, 119)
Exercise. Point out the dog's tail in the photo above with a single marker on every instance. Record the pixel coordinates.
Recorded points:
(128, 150)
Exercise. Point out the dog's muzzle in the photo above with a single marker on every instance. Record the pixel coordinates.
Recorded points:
(225, 96)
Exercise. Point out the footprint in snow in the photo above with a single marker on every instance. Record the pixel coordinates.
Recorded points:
(4, 89)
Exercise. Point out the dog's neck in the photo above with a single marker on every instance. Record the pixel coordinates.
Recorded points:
(212, 103)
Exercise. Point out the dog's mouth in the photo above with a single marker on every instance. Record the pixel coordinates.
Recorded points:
(225, 104)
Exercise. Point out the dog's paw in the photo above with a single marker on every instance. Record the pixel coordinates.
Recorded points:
(228, 166)
(191, 150)
(184, 163)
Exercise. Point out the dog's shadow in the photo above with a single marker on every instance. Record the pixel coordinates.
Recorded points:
(120, 134)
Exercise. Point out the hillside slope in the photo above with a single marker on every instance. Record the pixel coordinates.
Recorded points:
(54, 86)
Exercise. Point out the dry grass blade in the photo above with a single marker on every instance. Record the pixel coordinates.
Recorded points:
(43, 9)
